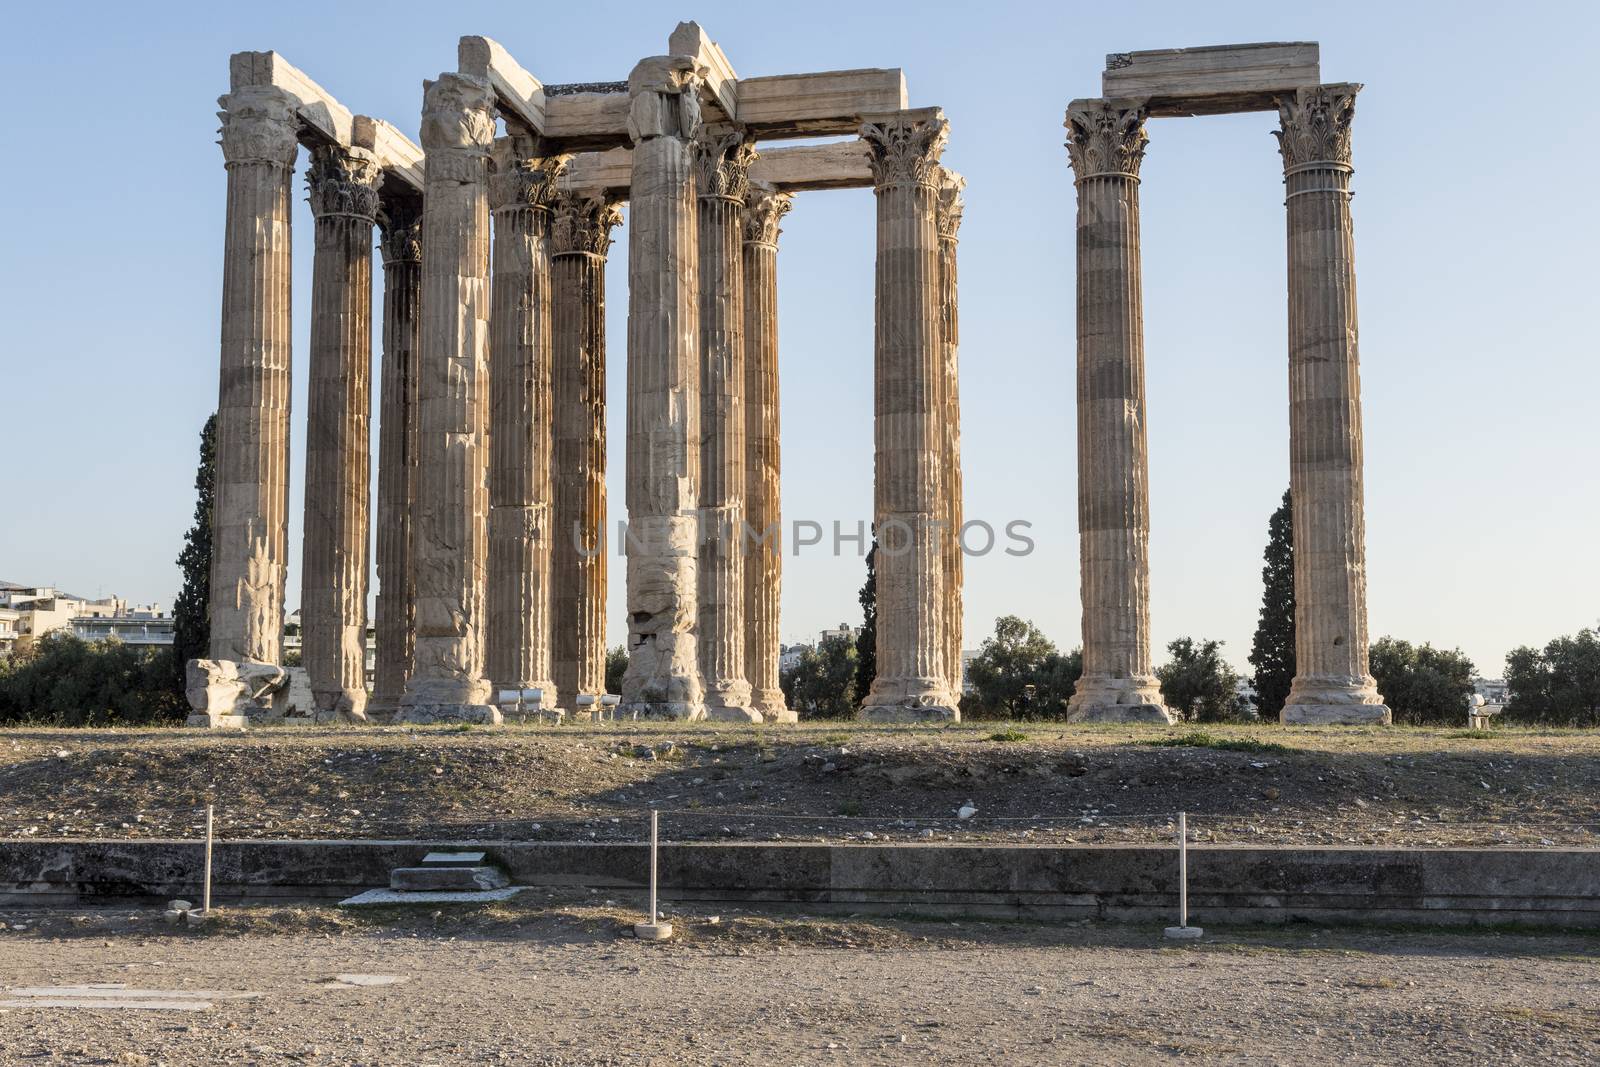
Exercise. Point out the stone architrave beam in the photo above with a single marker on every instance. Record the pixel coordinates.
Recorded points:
(1216, 80)
(788, 170)
(323, 115)
(718, 83)
(828, 102)
(517, 92)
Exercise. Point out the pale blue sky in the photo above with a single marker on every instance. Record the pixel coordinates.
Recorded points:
(1476, 225)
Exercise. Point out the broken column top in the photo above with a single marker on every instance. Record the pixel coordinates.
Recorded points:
(1213, 80)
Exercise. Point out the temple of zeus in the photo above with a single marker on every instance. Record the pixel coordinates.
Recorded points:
(491, 550)
(491, 546)
(1106, 142)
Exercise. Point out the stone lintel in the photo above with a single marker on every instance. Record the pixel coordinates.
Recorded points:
(518, 93)
(829, 102)
(720, 82)
(398, 155)
(1212, 80)
(827, 166)
(325, 118)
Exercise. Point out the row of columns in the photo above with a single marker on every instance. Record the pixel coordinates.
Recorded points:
(1106, 144)
(490, 551)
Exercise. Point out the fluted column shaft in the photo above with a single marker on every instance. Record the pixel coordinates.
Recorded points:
(1106, 146)
(449, 537)
(911, 682)
(663, 675)
(343, 184)
(763, 548)
(580, 238)
(401, 222)
(251, 516)
(721, 160)
(1332, 683)
(521, 427)
(951, 513)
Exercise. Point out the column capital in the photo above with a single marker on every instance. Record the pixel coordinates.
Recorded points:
(457, 126)
(581, 224)
(343, 181)
(1315, 124)
(400, 224)
(764, 208)
(665, 93)
(260, 124)
(948, 208)
(518, 181)
(904, 148)
(722, 158)
(1105, 139)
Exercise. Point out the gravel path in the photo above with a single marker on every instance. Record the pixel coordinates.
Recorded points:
(562, 988)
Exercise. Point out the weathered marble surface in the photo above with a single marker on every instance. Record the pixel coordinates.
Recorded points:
(763, 549)
(580, 238)
(401, 223)
(521, 426)
(1106, 145)
(1332, 683)
(911, 684)
(450, 540)
(343, 185)
(722, 157)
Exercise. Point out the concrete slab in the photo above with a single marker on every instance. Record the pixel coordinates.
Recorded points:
(391, 896)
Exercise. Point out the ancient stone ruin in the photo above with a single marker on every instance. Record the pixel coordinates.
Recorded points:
(491, 532)
(492, 507)
(1106, 142)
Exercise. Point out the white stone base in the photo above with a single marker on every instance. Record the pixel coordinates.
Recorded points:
(1184, 933)
(1151, 713)
(217, 722)
(425, 714)
(670, 711)
(780, 715)
(397, 896)
(652, 931)
(1335, 715)
(908, 713)
(719, 713)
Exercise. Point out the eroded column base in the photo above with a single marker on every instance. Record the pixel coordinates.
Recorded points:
(1106, 699)
(424, 714)
(224, 693)
(1335, 715)
(909, 700)
(731, 702)
(343, 706)
(1154, 713)
(908, 713)
(674, 712)
(772, 706)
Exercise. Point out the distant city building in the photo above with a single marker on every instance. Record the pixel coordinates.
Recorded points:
(1492, 690)
(789, 655)
(9, 620)
(967, 656)
(146, 625)
(43, 609)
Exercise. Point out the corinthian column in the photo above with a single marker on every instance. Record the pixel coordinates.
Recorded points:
(521, 434)
(401, 223)
(763, 551)
(722, 160)
(1332, 683)
(449, 537)
(251, 516)
(343, 183)
(580, 238)
(1106, 145)
(949, 221)
(911, 683)
(663, 676)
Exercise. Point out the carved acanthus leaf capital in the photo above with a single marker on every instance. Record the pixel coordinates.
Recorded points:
(259, 125)
(1316, 125)
(526, 182)
(581, 224)
(665, 98)
(905, 151)
(948, 208)
(343, 181)
(457, 117)
(1103, 139)
(722, 158)
(764, 208)
(400, 224)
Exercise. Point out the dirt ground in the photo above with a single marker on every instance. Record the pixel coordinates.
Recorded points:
(1039, 782)
(558, 982)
